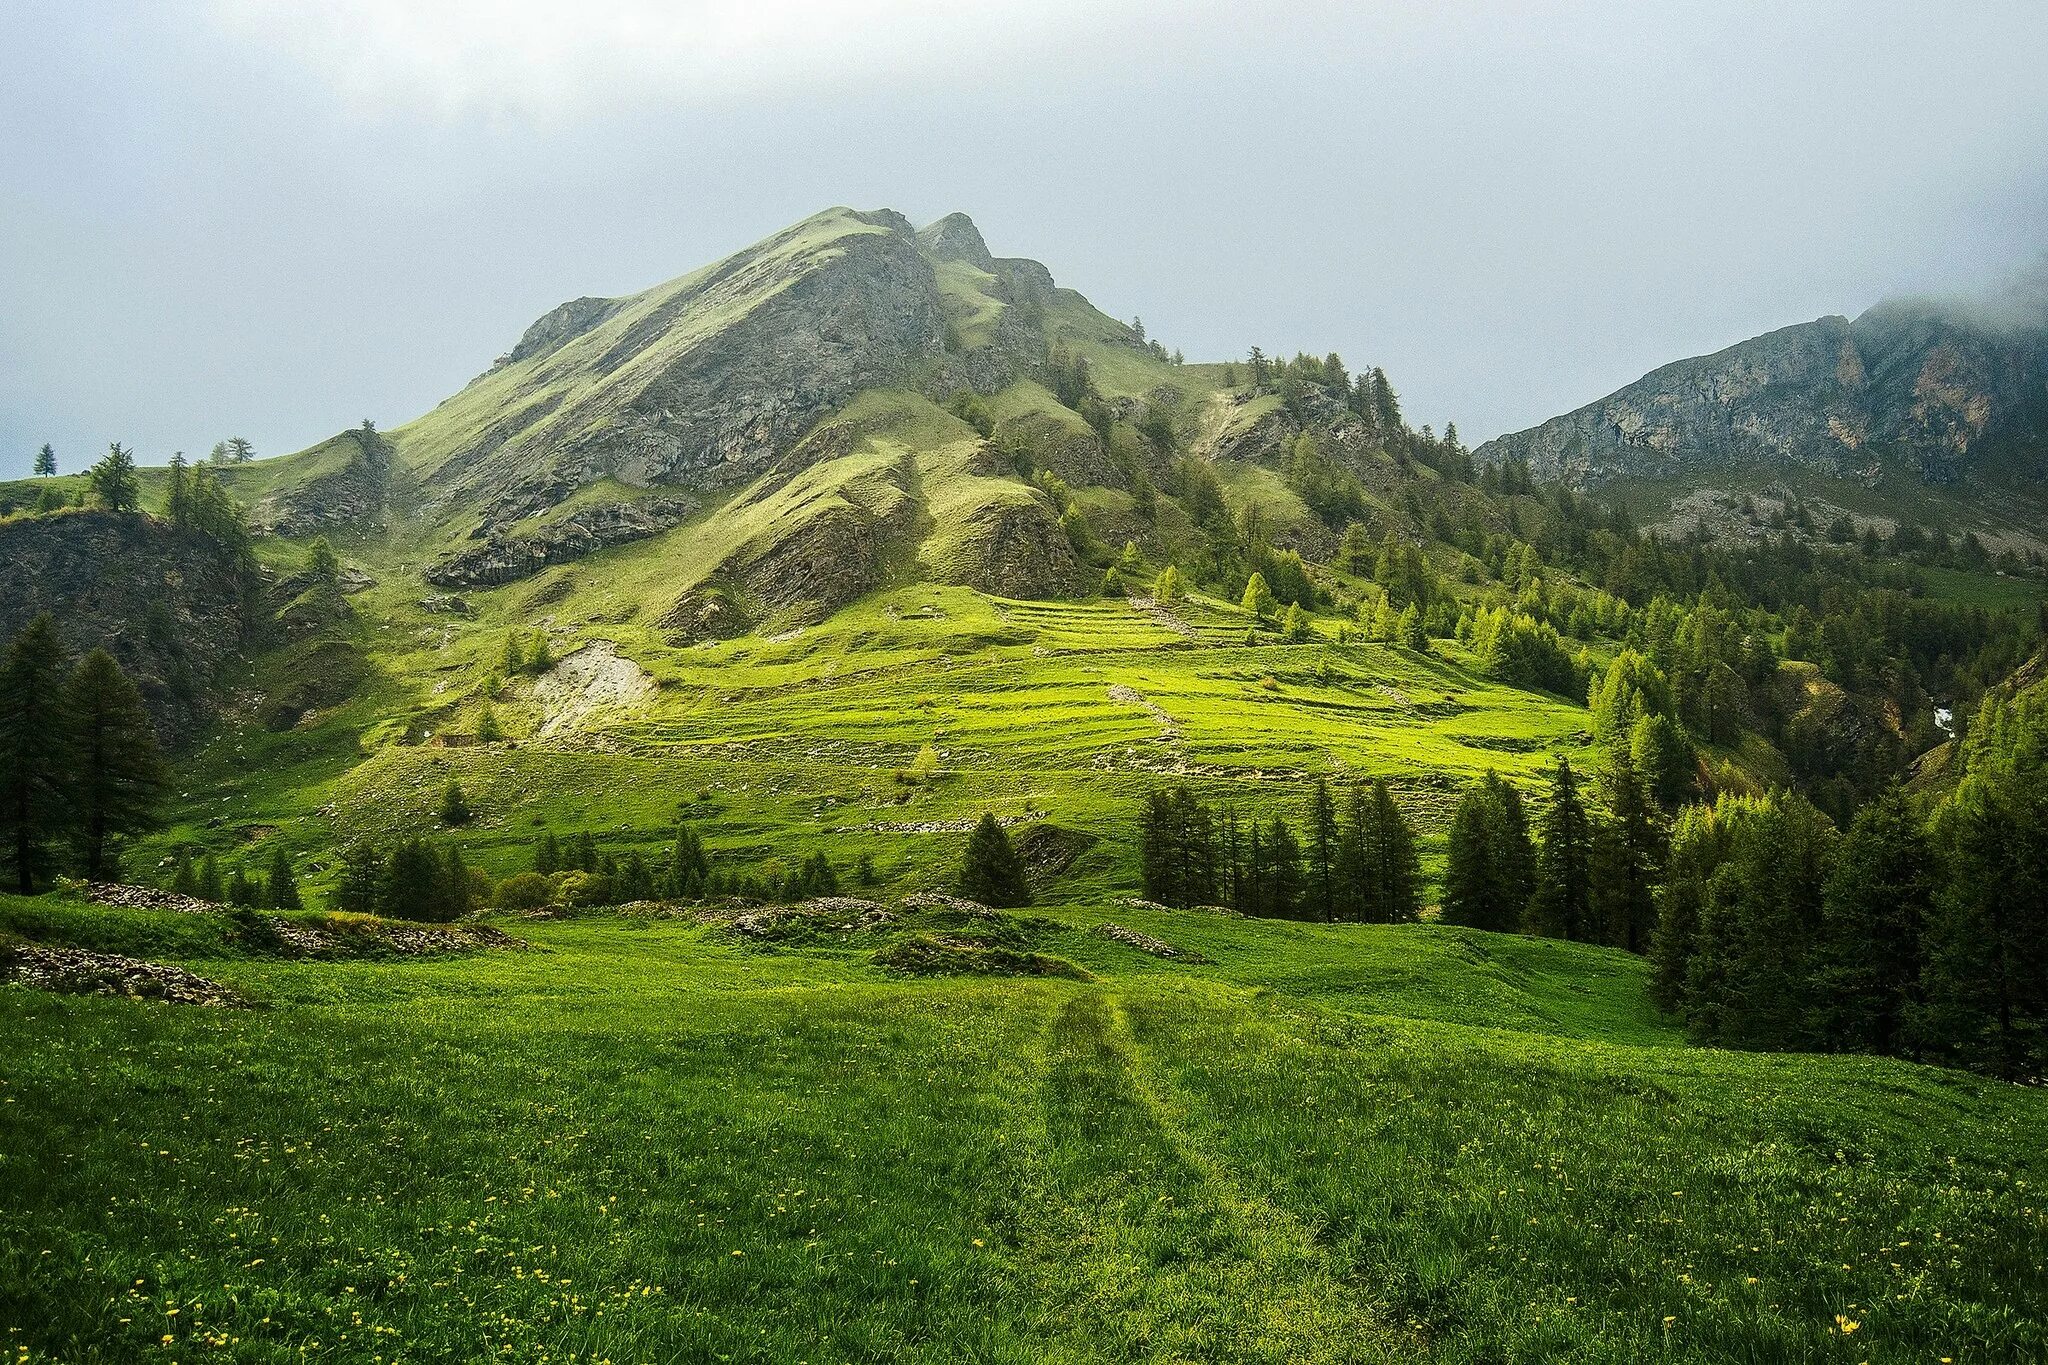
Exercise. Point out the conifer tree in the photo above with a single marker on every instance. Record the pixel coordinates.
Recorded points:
(1986, 980)
(35, 751)
(361, 889)
(991, 872)
(688, 867)
(184, 877)
(1284, 880)
(46, 462)
(586, 852)
(1166, 589)
(1629, 860)
(1258, 597)
(178, 503)
(242, 891)
(547, 855)
(454, 806)
(1472, 883)
(1874, 912)
(281, 884)
(117, 776)
(1323, 839)
(211, 886)
(1560, 906)
(113, 479)
(1396, 870)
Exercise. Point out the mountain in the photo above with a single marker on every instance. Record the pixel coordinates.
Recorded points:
(795, 389)
(1909, 395)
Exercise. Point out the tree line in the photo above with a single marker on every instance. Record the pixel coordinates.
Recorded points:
(1354, 864)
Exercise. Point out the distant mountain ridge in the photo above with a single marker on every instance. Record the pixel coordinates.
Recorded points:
(1937, 391)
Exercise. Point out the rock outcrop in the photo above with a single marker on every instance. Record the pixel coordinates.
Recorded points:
(503, 556)
(167, 604)
(1929, 390)
(350, 495)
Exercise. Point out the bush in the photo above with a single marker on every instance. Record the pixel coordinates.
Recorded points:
(525, 891)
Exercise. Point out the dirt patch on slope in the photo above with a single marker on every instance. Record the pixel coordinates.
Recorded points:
(594, 679)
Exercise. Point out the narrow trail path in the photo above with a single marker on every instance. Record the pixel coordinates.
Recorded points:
(1152, 1250)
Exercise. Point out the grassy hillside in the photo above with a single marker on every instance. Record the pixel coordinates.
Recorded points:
(646, 1141)
(1062, 712)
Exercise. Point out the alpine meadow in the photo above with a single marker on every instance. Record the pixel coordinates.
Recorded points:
(853, 806)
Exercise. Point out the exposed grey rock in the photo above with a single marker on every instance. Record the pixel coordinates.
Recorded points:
(165, 603)
(1017, 549)
(1928, 389)
(77, 971)
(505, 556)
(353, 496)
(956, 238)
(1145, 943)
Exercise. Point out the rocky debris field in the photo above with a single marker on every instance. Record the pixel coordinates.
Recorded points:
(147, 898)
(77, 971)
(1145, 943)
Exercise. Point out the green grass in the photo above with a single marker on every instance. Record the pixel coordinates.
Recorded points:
(1331, 1144)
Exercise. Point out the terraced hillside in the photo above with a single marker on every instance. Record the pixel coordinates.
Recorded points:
(1061, 713)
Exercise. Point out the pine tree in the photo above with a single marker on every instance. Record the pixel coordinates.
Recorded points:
(1354, 894)
(1471, 881)
(688, 867)
(117, 776)
(1323, 838)
(586, 852)
(184, 877)
(1561, 904)
(1295, 627)
(454, 806)
(113, 479)
(454, 889)
(35, 751)
(1628, 865)
(1258, 597)
(211, 886)
(1514, 854)
(46, 462)
(1284, 880)
(178, 503)
(1396, 868)
(547, 855)
(991, 872)
(1986, 980)
(239, 450)
(1166, 589)
(488, 731)
(243, 892)
(361, 889)
(515, 657)
(281, 884)
(1874, 912)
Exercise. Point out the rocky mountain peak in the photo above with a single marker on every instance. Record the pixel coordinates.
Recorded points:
(956, 238)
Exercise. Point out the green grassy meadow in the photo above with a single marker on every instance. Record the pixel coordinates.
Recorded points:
(648, 1140)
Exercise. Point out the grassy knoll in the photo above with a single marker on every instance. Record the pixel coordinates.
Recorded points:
(647, 1141)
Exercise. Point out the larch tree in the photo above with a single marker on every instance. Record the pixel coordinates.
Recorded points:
(35, 753)
(117, 774)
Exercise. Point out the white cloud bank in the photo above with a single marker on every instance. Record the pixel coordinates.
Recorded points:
(531, 59)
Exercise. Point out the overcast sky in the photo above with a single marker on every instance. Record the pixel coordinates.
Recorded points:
(274, 219)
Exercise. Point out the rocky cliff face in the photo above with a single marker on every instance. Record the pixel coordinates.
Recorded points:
(1925, 389)
(702, 383)
(163, 603)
